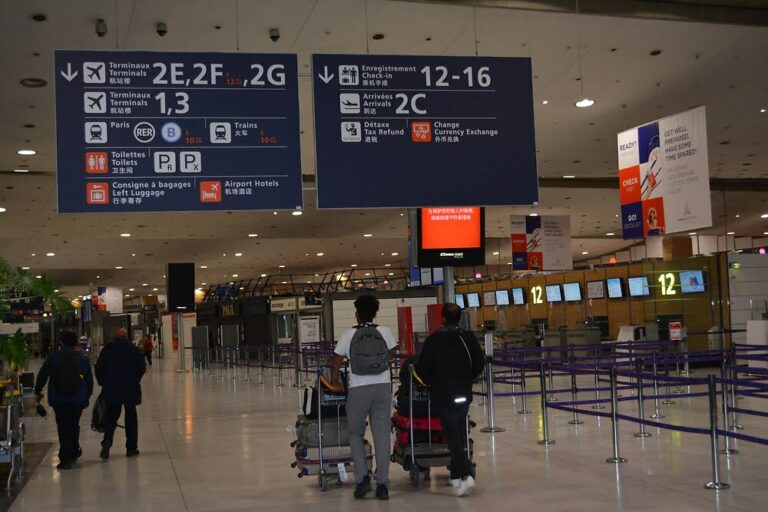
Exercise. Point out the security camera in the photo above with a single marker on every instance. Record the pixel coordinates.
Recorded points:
(274, 34)
(161, 29)
(101, 28)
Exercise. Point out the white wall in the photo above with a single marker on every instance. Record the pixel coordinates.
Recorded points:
(344, 314)
(750, 282)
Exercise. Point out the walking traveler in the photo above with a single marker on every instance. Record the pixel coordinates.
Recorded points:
(118, 371)
(70, 385)
(368, 348)
(147, 347)
(450, 362)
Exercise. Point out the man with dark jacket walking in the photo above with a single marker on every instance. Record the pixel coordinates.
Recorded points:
(118, 372)
(70, 385)
(449, 363)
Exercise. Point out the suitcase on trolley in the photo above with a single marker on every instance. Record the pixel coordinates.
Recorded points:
(335, 431)
(308, 462)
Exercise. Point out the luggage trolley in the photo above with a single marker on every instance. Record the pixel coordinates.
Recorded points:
(327, 460)
(419, 457)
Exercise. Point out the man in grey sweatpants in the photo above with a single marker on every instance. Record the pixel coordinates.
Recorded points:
(370, 396)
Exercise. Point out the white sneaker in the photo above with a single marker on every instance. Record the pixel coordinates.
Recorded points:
(465, 487)
(454, 483)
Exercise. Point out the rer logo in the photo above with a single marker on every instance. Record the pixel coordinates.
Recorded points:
(421, 131)
(210, 191)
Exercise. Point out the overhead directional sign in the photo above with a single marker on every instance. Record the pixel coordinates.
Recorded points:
(157, 131)
(411, 131)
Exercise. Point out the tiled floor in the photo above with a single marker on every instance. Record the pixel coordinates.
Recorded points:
(209, 442)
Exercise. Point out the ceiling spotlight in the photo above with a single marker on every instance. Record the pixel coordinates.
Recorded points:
(144, 284)
(252, 235)
(586, 102)
(367, 274)
(33, 82)
(321, 254)
(762, 111)
(296, 213)
(391, 274)
(584, 252)
(495, 253)
(98, 277)
(203, 284)
(395, 253)
(281, 266)
(283, 282)
(130, 289)
(737, 215)
(154, 289)
(33, 254)
(2, 209)
(238, 254)
(368, 235)
(569, 177)
(234, 275)
(545, 102)
(377, 37)
(101, 28)
(125, 235)
(24, 268)
(27, 152)
(764, 216)
(610, 234)
(263, 275)
(274, 213)
(731, 233)
(692, 233)
(387, 264)
(354, 265)
(38, 277)
(50, 254)
(533, 214)
(118, 268)
(203, 266)
(21, 171)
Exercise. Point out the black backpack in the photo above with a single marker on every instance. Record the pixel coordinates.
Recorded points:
(69, 378)
(99, 415)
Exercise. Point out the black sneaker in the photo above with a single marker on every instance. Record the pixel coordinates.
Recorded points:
(64, 465)
(104, 454)
(363, 488)
(132, 453)
(382, 493)
(79, 453)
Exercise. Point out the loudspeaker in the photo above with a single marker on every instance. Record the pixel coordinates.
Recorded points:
(180, 286)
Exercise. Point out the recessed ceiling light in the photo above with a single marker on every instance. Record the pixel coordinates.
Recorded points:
(27, 152)
(203, 284)
(131, 289)
(296, 213)
(242, 288)
(495, 253)
(98, 277)
(387, 264)
(203, 266)
(127, 294)
(50, 254)
(263, 275)
(368, 235)
(234, 275)
(56, 291)
(118, 268)
(38, 277)
(125, 235)
(731, 233)
(24, 268)
(737, 215)
(283, 282)
(762, 111)
(33, 82)
(692, 233)
(33, 254)
(274, 213)
(610, 234)
(367, 274)
(584, 252)
(21, 171)
(765, 232)
(391, 274)
(2, 210)
(586, 102)
(545, 102)
(317, 275)
(252, 235)
(764, 216)
(321, 254)
(377, 37)
(402, 215)
(533, 214)
(569, 176)
(143, 284)
(354, 265)
(39, 17)
(281, 266)
(395, 253)
(238, 254)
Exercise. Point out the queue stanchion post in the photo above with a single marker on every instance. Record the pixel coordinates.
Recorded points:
(678, 389)
(261, 354)
(668, 400)
(734, 375)
(247, 351)
(715, 484)
(279, 371)
(551, 397)
(545, 441)
(523, 395)
(491, 420)
(724, 399)
(574, 390)
(656, 412)
(598, 406)
(617, 458)
(641, 401)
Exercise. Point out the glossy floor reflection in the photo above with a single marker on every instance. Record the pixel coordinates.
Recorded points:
(210, 442)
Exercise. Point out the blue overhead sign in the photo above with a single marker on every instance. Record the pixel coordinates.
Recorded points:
(412, 131)
(158, 131)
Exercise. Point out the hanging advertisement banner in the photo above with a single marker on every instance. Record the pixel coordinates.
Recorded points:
(541, 242)
(664, 176)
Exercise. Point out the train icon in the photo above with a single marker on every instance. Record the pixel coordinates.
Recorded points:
(221, 133)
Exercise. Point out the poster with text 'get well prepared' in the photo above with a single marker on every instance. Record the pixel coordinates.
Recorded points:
(541, 242)
(664, 176)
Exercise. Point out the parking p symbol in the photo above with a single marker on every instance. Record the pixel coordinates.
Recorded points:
(190, 161)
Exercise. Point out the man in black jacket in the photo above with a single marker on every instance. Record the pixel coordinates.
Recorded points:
(449, 363)
(119, 371)
(70, 385)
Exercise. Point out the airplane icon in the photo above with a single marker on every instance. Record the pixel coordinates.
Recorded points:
(95, 102)
(349, 103)
(94, 72)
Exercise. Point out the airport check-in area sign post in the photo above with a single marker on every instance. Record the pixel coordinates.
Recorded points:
(420, 131)
(159, 131)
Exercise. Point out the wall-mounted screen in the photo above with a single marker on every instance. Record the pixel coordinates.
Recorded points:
(502, 297)
(473, 300)
(595, 289)
(554, 293)
(489, 298)
(451, 236)
(692, 281)
(638, 286)
(572, 292)
(518, 296)
(460, 300)
(615, 290)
